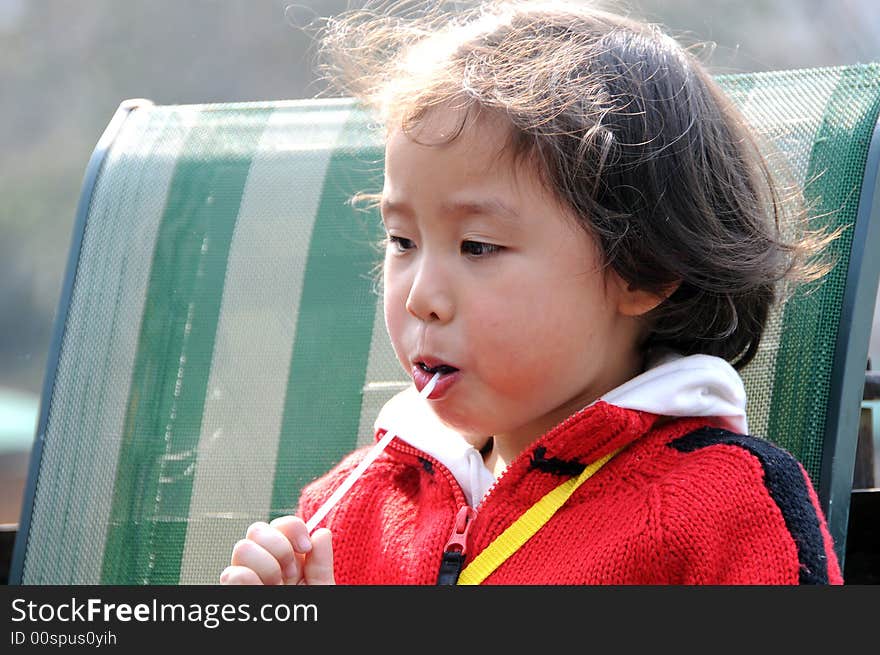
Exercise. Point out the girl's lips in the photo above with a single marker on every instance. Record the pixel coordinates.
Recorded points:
(421, 378)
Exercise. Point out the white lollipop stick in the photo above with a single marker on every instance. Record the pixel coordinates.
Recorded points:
(340, 491)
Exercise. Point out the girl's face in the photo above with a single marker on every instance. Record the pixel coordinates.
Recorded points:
(490, 281)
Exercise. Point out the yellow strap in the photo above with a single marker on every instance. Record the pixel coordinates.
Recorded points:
(521, 530)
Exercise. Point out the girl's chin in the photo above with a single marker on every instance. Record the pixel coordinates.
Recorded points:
(474, 435)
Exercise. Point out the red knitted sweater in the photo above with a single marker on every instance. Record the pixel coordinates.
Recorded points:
(682, 503)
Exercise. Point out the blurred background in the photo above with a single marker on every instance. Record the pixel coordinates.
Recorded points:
(65, 66)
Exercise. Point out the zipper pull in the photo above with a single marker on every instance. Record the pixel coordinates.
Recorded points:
(454, 552)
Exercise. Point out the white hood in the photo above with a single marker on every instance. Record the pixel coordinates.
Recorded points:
(696, 385)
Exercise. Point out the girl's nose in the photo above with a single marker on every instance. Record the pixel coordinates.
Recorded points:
(430, 297)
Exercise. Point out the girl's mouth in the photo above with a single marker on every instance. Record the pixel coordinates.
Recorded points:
(442, 369)
(422, 374)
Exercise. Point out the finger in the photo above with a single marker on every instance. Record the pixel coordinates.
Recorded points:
(297, 534)
(318, 567)
(253, 556)
(239, 575)
(278, 545)
(294, 528)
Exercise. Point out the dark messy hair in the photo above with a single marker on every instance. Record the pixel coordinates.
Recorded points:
(626, 128)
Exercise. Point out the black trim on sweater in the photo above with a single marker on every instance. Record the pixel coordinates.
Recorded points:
(786, 485)
(554, 464)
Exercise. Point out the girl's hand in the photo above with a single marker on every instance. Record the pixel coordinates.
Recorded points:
(281, 552)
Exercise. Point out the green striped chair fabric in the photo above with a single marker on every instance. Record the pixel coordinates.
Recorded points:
(220, 340)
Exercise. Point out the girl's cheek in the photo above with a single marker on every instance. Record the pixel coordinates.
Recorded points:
(394, 304)
(395, 336)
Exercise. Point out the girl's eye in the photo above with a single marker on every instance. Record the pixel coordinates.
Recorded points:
(400, 244)
(478, 248)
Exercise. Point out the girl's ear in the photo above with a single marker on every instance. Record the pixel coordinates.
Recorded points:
(633, 301)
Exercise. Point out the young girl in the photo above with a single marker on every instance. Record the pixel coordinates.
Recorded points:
(580, 238)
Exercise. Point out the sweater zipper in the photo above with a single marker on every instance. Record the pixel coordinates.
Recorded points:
(455, 550)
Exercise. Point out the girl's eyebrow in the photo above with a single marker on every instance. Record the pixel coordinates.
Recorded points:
(490, 206)
(387, 207)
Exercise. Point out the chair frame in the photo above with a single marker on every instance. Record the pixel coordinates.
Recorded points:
(851, 354)
(90, 178)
